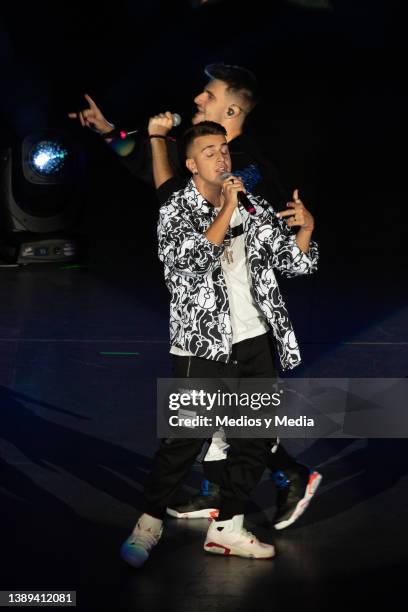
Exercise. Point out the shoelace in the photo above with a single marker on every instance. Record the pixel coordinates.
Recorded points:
(146, 539)
(249, 534)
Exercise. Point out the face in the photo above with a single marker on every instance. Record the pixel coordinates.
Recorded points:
(209, 156)
(212, 103)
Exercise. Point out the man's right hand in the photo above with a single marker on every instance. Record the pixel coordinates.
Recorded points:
(230, 188)
(160, 124)
(92, 118)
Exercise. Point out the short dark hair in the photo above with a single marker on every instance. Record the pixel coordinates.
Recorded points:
(239, 80)
(203, 128)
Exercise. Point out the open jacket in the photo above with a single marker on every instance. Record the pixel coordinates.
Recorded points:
(199, 309)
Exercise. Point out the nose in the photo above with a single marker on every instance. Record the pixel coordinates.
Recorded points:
(219, 156)
(199, 99)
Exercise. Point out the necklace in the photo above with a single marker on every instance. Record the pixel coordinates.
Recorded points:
(233, 232)
(228, 255)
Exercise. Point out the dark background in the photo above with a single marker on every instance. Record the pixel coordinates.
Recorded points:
(77, 429)
(332, 117)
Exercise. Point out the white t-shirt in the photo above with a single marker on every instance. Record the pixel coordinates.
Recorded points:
(247, 320)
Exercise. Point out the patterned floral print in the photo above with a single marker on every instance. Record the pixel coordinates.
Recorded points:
(199, 309)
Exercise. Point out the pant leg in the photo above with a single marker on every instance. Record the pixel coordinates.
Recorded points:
(256, 359)
(196, 367)
(253, 358)
(171, 465)
(176, 455)
(246, 460)
(242, 471)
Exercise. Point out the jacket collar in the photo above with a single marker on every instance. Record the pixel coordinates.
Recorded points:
(196, 200)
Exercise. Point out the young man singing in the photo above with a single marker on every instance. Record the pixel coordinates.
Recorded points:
(225, 300)
(228, 97)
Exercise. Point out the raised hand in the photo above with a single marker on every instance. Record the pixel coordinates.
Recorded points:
(298, 214)
(230, 188)
(92, 117)
(160, 124)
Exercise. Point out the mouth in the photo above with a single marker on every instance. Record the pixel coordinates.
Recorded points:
(221, 169)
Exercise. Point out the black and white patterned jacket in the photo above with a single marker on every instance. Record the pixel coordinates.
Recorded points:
(199, 309)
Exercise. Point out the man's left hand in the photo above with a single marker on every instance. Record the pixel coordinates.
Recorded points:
(298, 214)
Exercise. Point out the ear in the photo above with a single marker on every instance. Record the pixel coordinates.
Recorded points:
(191, 165)
(233, 110)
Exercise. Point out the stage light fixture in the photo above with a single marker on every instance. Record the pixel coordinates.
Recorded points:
(47, 158)
(41, 188)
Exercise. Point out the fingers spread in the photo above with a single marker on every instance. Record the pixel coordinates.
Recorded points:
(286, 213)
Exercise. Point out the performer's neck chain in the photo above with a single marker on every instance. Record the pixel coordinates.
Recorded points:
(228, 255)
(234, 232)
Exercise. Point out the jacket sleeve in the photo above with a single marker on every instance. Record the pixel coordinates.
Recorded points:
(281, 247)
(184, 250)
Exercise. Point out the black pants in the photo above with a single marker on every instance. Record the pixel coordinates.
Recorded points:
(253, 358)
(246, 461)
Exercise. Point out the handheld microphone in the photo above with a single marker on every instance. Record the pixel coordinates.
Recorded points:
(242, 197)
(125, 133)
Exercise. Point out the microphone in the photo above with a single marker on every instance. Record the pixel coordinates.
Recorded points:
(242, 197)
(116, 132)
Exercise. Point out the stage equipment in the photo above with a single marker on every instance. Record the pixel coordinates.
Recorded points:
(41, 192)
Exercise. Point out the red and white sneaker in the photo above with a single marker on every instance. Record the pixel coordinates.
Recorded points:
(230, 538)
(146, 534)
(203, 505)
(295, 495)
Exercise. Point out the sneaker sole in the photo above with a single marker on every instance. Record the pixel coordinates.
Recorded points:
(208, 513)
(225, 551)
(312, 486)
(131, 559)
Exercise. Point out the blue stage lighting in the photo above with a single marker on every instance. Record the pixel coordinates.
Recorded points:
(47, 157)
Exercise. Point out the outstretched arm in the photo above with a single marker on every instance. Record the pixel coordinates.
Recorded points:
(137, 160)
(92, 117)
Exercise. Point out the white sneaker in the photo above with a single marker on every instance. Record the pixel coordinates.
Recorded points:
(146, 534)
(230, 538)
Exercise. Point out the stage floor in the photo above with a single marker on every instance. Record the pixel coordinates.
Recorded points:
(78, 434)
